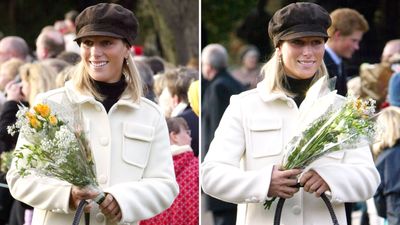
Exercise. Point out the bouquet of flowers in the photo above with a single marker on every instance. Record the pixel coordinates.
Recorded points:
(56, 147)
(341, 124)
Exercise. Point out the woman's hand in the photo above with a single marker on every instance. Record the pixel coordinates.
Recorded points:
(13, 91)
(282, 182)
(110, 208)
(313, 182)
(78, 194)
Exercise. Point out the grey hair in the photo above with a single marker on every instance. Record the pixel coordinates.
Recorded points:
(215, 55)
(16, 44)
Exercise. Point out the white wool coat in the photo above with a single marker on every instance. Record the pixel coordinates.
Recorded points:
(250, 140)
(130, 146)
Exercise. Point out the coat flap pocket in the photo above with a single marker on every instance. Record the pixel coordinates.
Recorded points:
(265, 124)
(265, 137)
(138, 131)
(137, 143)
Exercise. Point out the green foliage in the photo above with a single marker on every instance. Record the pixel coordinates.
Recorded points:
(221, 18)
(5, 161)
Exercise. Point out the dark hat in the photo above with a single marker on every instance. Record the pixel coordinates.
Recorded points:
(107, 19)
(394, 90)
(302, 19)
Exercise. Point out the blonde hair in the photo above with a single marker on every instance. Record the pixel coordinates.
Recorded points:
(194, 96)
(40, 77)
(83, 83)
(63, 76)
(10, 67)
(274, 75)
(388, 123)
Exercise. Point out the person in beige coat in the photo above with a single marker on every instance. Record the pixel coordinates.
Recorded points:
(243, 162)
(127, 133)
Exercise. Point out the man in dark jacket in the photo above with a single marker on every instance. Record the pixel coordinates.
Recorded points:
(345, 34)
(219, 86)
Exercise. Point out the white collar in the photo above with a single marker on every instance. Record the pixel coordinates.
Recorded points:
(337, 59)
(178, 149)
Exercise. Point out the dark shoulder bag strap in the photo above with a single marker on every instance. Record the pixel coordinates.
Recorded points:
(79, 212)
(278, 212)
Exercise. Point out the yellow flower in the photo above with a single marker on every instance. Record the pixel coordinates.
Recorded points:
(53, 120)
(42, 109)
(358, 104)
(35, 123)
(30, 115)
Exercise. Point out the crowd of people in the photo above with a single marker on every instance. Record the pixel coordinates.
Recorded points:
(91, 55)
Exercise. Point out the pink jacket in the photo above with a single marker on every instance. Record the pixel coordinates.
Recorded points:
(185, 208)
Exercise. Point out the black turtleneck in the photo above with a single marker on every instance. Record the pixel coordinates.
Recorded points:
(110, 91)
(298, 87)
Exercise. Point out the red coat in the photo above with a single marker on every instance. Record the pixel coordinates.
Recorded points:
(185, 208)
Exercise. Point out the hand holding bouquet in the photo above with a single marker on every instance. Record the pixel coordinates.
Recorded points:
(342, 125)
(57, 148)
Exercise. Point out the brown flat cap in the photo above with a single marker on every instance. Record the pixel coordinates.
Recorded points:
(301, 19)
(107, 19)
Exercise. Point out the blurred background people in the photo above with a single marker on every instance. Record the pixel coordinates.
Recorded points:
(217, 87)
(13, 47)
(248, 74)
(173, 86)
(146, 74)
(374, 78)
(69, 57)
(49, 43)
(70, 31)
(391, 48)
(387, 149)
(194, 96)
(156, 64)
(8, 73)
(185, 209)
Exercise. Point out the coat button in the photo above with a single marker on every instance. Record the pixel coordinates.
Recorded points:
(296, 209)
(104, 141)
(102, 179)
(100, 217)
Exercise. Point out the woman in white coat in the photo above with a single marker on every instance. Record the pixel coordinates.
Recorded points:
(242, 164)
(127, 133)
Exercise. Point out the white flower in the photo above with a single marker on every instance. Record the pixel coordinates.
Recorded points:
(47, 145)
(65, 138)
